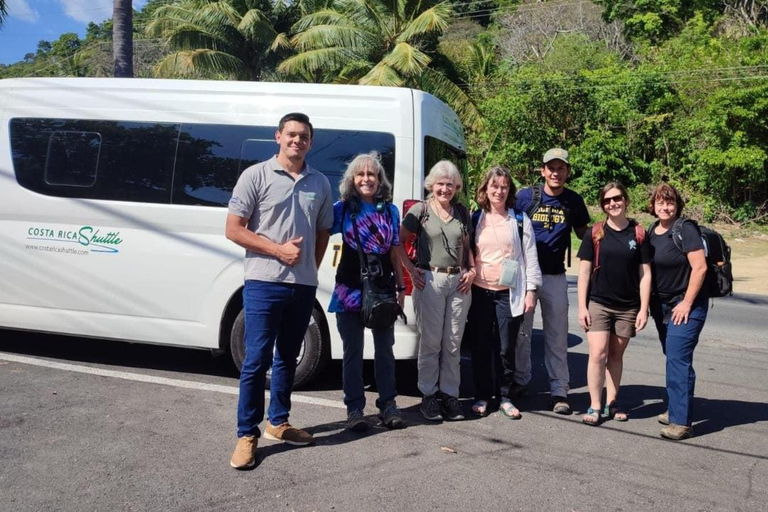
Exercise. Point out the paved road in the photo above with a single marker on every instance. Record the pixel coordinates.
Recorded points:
(92, 425)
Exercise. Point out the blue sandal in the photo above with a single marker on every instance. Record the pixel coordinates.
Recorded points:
(592, 417)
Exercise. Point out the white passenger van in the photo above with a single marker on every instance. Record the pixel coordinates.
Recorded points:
(113, 196)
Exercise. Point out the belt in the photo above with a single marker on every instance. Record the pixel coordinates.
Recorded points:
(443, 270)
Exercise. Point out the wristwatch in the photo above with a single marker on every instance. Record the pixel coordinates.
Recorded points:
(401, 288)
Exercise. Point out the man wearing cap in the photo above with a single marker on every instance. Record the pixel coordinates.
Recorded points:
(554, 210)
(281, 212)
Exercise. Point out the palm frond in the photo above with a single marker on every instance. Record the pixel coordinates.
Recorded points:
(328, 36)
(435, 19)
(255, 25)
(203, 62)
(323, 17)
(281, 41)
(439, 85)
(191, 38)
(310, 61)
(406, 59)
(383, 75)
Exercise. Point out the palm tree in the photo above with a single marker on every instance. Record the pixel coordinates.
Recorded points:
(3, 12)
(122, 37)
(376, 42)
(215, 39)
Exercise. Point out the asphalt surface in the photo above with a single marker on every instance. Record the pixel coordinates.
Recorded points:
(95, 425)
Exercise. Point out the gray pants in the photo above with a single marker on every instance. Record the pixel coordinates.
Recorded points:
(441, 314)
(553, 297)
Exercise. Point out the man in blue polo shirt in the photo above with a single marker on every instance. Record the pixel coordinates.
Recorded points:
(554, 210)
(281, 212)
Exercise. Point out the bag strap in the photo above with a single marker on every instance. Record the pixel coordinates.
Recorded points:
(360, 253)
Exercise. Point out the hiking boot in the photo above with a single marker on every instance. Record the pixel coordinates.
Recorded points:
(287, 434)
(391, 417)
(560, 405)
(244, 456)
(664, 418)
(452, 409)
(356, 422)
(430, 408)
(518, 390)
(676, 432)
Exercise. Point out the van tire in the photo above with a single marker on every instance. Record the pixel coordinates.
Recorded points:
(313, 356)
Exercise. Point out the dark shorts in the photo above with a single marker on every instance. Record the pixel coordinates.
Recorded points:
(618, 320)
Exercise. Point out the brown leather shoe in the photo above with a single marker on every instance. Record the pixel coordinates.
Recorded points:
(287, 434)
(244, 456)
(676, 432)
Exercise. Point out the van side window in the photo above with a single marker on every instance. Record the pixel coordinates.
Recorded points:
(210, 158)
(133, 160)
(185, 164)
(72, 158)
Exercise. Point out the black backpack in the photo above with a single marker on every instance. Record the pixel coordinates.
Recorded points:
(719, 279)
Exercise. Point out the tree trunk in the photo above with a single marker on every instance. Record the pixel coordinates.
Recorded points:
(122, 38)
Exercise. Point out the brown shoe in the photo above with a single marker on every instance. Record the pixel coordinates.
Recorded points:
(287, 434)
(664, 418)
(245, 453)
(676, 432)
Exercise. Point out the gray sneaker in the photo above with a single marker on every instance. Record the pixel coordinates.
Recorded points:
(356, 421)
(391, 417)
(430, 408)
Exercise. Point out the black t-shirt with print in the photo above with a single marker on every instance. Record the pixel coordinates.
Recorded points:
(671, 269)
(617, 281)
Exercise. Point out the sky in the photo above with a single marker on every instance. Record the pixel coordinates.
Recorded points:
(29, 21)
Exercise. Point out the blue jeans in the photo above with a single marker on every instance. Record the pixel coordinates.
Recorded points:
(276, 319)
(493, 334)
(678, 343)
(352, 332)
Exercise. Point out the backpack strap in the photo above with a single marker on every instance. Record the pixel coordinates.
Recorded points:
(535, 200)
(677, 232)
(519, 219)
(598, 233)
(639, 233)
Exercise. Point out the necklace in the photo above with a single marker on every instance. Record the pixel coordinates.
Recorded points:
(444, 216)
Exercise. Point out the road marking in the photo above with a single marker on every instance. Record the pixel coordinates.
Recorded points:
(163, 381)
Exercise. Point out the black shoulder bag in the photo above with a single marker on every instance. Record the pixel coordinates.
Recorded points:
(379, 308)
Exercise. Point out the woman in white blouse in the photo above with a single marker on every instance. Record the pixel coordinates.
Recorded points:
(503, 290)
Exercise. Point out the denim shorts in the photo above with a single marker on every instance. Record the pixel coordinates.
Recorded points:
(618, 320)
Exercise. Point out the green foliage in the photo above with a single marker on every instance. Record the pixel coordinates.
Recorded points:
(371, 42)
(218, 39)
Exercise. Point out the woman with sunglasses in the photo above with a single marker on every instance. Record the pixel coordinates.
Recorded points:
(614, 290)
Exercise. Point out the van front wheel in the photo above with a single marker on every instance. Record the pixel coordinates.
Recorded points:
(313, 354)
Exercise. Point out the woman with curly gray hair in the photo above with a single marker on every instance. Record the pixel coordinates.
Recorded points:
(365, 205)
(442, 275)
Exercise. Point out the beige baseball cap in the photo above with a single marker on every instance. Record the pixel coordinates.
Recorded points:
(556, 154)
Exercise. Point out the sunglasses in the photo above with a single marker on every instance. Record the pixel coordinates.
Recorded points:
(613, 199)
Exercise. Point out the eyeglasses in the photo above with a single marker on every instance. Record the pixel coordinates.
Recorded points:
(613, 199)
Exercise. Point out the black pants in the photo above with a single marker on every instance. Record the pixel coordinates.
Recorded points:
(493, 334)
